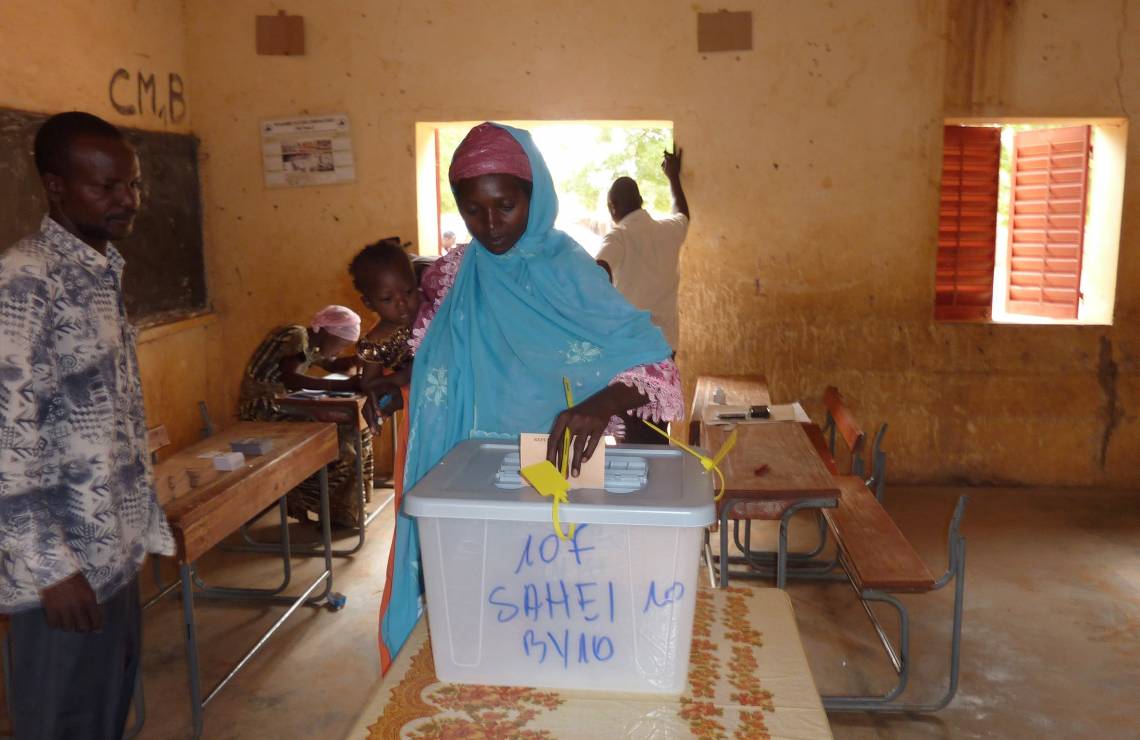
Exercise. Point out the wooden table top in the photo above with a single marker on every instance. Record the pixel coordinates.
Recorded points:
(795, 470)
(739, 390)
(339, 409)
(203, 516)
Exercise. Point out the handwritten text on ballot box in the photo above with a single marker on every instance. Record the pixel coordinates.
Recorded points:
(509, 603)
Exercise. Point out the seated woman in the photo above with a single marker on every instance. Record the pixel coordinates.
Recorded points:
(505, 319)
(278, 366)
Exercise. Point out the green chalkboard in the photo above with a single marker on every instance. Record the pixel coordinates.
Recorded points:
(165, 278)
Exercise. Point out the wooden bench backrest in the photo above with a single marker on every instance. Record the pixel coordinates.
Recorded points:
(841, 420)
(156, 438)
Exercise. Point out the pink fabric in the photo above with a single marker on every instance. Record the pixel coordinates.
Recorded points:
(489, 150)
(339, 321)
(660, 382)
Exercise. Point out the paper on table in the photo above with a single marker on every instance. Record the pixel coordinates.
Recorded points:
(776, 412)
(532, 449)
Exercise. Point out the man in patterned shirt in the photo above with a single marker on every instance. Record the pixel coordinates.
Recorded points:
(78, 512)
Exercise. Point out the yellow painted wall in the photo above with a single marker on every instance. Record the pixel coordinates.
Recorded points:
(812, 166)
(62, 55)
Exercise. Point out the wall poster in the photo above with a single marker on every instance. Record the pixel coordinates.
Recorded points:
(310, 150)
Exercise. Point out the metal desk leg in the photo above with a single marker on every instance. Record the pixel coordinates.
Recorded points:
(358, 447)
(785, 522)
(191, 648)
(311, 549)
(326, 534)
(186, 572)
(282, 547)
(724, 512)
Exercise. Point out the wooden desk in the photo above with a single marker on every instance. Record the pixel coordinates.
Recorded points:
(739, 390)
(796, 479)
(203, 516)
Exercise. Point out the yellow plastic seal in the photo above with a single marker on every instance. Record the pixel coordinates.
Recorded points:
(549, 482)
(711, 464)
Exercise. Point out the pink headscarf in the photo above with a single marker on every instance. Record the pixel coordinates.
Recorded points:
(489, 150)
(339, 321)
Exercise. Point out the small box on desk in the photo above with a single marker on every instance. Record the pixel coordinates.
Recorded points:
(229, 461)
(252, 446)
(609, 609)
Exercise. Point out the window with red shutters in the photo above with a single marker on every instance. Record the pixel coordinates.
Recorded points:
(967, 222)
(1049, 191)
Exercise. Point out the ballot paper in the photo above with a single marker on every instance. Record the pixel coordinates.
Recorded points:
(712, 414)
(532, 449)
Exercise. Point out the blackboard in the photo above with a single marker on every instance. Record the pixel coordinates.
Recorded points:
(165, 277)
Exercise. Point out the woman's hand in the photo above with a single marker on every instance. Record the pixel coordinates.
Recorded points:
(587, 423)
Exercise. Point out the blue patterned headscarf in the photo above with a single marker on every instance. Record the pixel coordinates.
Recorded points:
(492, 362)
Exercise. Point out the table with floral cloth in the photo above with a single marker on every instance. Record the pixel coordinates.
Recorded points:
(748, 678)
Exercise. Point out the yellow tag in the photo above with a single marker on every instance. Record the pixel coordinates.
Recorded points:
(711, 464)
(549, 482)
(566, 437)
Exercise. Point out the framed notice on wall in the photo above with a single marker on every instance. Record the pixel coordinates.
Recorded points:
(314, 150)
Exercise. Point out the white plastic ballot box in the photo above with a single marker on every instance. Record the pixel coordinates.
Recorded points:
(611, 608)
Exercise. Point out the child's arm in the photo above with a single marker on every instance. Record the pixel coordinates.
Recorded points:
(345, 365)
(402, 376)
(295, 381)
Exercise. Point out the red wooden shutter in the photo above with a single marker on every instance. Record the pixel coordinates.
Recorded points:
(967, 223)
(1049, 189)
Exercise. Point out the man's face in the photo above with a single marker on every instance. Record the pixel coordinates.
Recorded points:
(97, 196)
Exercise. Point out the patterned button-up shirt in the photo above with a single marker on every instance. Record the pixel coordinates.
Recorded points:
(76, 487)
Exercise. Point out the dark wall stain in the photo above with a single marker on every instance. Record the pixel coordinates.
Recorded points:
(1106, 373)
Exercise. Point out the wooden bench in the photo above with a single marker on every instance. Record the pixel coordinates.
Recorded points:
(876, 554)
(879, 561)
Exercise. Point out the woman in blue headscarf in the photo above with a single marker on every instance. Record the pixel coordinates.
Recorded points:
(504, 320)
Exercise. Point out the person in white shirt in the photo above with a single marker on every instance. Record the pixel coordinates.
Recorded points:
(643, 254)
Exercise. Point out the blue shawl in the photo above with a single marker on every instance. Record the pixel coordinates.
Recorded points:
(493, 359)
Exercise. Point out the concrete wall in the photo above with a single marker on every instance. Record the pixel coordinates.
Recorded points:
(812, 166)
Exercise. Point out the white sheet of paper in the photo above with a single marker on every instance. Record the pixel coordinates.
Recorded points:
(777, 412)
(532, 449)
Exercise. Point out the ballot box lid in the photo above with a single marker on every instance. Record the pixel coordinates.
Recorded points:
(648, 485)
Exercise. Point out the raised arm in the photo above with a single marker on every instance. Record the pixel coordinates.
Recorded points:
(671, 166)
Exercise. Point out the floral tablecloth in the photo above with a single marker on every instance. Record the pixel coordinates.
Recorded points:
(748, 679)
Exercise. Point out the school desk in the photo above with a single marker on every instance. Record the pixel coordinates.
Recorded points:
(739, 390)
(202, 516)
(772, 473)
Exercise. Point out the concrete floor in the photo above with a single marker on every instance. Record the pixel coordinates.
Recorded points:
(1051, 645)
